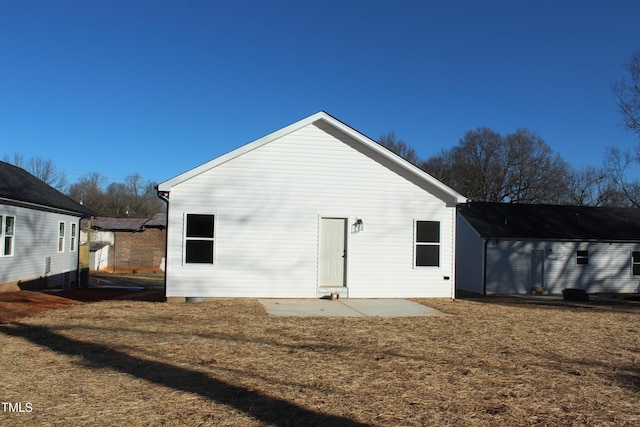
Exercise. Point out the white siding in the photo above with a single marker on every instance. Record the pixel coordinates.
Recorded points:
(99, 259)
(268, 204)
(609, 268)
(36, 239)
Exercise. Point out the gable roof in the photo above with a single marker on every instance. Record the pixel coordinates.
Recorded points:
(19, 187)
(332, 121)
(552, 222)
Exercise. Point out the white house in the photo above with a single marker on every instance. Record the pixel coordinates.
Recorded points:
(312, 209)
(39, 233)
(519, 249)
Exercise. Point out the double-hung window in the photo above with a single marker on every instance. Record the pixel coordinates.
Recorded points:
(7, 233)
(635, 263)
(199, 239)
(73, 237)
(582, 257)
(427, 244)
(61, 237)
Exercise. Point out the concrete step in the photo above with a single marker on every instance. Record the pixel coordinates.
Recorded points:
(333, 292)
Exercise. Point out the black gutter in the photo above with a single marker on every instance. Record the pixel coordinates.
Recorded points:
(164, 196)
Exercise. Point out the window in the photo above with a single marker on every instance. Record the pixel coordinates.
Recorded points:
(582, 257)
(73, 237)
(7, 231)
(427, 244)
(199, 236)
(61, 237)
(635, 263)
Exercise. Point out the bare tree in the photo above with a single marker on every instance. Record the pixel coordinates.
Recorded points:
(116, 200)
(536, 174)
(627, 94)
(480, 165)
(476, 167)
(46, 170)
(517, 168)
(399, 147)
(43, 169)
(135, 197)
(593, 186)
(141, 197)
(16, 160)
(617, 164)
(440, 167)
(150, 204)
(88, 191)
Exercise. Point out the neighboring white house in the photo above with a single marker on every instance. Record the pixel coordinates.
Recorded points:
(39, 233)
(312, 209)
(519, 249)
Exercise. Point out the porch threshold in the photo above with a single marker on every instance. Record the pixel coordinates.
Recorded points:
(328, 291)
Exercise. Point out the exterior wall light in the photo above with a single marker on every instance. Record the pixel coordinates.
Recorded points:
(357, 226)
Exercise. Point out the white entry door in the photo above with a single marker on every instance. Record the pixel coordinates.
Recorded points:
(333, 251)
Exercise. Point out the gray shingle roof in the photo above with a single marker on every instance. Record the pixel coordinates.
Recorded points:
(159, 220)
(553, 222)
(117, 224)
(20, 187)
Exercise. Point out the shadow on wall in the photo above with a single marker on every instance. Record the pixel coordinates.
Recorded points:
(66, 280)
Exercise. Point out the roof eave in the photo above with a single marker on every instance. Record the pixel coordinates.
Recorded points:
(47, 208)
(398, 160)
(167, 185)
(558, 239)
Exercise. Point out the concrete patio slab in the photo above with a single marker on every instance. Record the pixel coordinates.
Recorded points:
(347, 308)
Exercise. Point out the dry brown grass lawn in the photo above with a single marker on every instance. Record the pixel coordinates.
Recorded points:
(499, 361)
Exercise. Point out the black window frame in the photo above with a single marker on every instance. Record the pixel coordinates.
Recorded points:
(427, 243)
(582, 257)
(635, 263)
(199, 239)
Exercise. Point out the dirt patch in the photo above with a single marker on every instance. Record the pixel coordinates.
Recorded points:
(92, 295)
(16, 305)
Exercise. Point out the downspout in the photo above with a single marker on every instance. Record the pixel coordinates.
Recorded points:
(484, 267)
(455, 248)
(164, 196)
(78, 248)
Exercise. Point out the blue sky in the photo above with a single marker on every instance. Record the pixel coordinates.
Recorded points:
(159, 87)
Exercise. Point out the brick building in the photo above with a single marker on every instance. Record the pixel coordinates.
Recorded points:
(126, 244)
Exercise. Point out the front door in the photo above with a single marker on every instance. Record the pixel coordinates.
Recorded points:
(333, 252)
(537, 269)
